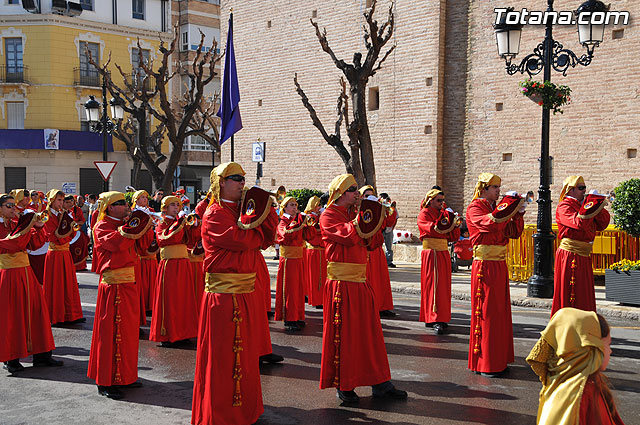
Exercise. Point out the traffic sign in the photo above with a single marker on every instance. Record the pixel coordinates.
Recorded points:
(105, 168)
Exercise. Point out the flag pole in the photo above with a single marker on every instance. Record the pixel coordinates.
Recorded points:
(232, 158)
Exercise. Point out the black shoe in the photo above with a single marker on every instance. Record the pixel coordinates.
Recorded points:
(438, 329)
(277, 257)
(271, 358)
(136, 384)
(291, 326)
(348, 396)
(319, 307)
(183, 342)
(110, 392)
(13, 366)
(495, 374)
(80, 320)
(301, 324)
(387, 314)
(45, 360)
(391, 265)
(392, 394)
(169, 344)
(270, 314)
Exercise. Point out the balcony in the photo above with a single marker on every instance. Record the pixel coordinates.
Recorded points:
(86, 77)
(138, 80)
(14, 74)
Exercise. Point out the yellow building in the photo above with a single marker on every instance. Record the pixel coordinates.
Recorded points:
(45, 80)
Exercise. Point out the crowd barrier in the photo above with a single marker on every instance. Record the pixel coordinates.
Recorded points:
(610, 245)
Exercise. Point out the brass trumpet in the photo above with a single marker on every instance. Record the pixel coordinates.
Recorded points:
(76, 226)
(43, 216)
(311, 220)
(191, 219)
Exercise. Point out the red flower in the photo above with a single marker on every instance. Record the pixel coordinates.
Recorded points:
(540, 103)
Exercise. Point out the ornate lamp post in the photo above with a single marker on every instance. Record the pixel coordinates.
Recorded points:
(103, 124)
(547, 55)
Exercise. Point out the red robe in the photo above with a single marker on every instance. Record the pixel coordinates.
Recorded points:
(377, 268)
(229, 249)
(80, 248)
(38, 254)
(263, 284)
(25, 328)
(94, 260)
(315, 265)
(352, 333)
(435, 274)
(594, 410)
(491, 341)
(573, 227)
(174, 308)
(60, 282)
(291, 276)
(148, 268)
(113, 359)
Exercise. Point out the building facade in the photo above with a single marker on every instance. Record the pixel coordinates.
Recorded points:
(46, 78)
(446, 110)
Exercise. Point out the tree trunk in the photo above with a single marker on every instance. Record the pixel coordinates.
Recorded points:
(358, 102)
(135, 173)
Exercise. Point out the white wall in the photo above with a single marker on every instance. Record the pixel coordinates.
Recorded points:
(103, 12)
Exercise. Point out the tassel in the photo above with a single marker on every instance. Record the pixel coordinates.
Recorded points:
(237, 348)
(572, 283)
(478, 329)
(337, 320)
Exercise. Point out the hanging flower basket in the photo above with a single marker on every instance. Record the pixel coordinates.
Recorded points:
(546, 94)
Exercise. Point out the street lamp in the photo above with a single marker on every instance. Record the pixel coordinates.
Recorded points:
(102, 124)
(548, 54)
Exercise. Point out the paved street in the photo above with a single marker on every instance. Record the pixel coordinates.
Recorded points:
(431, 368)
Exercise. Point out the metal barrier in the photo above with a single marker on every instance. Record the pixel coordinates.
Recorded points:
(610, 245)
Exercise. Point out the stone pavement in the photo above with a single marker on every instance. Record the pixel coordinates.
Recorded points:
(405, 278)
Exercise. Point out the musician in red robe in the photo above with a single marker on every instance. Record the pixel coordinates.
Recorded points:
(573, 277)
(377, 268)
(436, 230)
(21, 199)
(315, 262)
(79, 245)
(146, 249)
(175, 319)
(491, 341)
(227, 386)
(291, 276)
(25, 329)
(60, 282)
(38, 254)
(353, 350)
(113, 359)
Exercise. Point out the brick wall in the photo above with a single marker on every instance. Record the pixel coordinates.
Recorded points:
(444, 79)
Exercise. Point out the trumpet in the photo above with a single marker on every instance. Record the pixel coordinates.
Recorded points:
(191, 219)
(43, 216)
(311, 220)
(76, 226)
(457, 221)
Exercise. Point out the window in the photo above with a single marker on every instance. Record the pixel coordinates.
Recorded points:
(137, 7)
(84, 126)
(185, 41)
(374, 98)
(197, 143)
(14, 178)
(14, 2)
(86, 4)
(90, 180)
(88, 74)
(13, 47)
(15, 115)
(138, 72)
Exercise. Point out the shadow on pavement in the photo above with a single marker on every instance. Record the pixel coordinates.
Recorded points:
(294, 416)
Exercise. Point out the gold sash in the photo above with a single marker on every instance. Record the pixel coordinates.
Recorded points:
(116, 276)
(307, 245)
(196, 258)
(490, 252)
(349, 272)
(436, 244)
(580, 248)
(174, 251)
(147, 257)
(14, 260)
(56, 247)
(230, 283)
(290, 251)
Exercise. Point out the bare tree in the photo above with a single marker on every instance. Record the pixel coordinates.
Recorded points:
(189, 115)
(359, 158)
